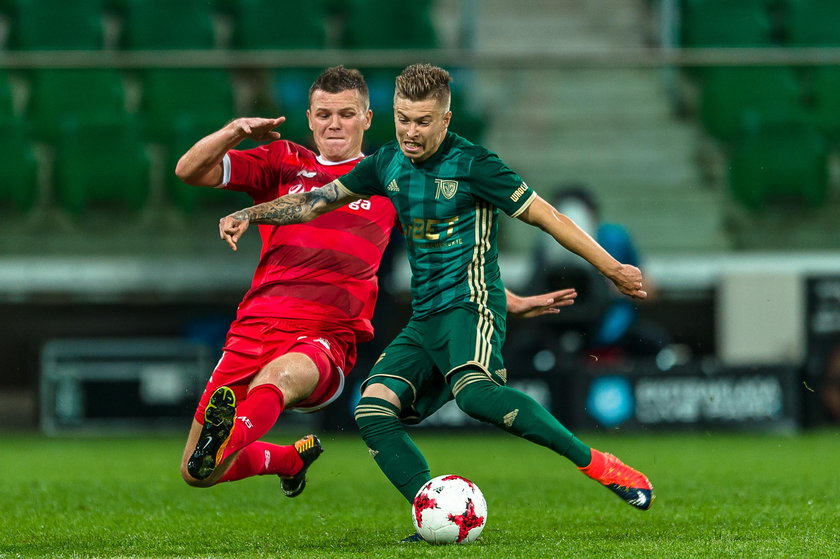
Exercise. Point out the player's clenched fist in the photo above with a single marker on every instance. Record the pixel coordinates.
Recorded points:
(256, 128)
(232, 226)
(628, 280)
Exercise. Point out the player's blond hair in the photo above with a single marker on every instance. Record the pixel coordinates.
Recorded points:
(419, 82)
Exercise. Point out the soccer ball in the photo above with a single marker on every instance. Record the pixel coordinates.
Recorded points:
(449, 509)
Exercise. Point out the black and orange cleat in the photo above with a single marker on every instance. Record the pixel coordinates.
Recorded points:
(309, 449)
(215, 434)
(631, 485)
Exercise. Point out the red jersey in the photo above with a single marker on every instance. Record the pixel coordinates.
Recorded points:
(323, 270)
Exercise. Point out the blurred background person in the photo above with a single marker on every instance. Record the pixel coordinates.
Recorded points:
(608, 325)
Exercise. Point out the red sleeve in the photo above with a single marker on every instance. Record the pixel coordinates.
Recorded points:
(257, 171)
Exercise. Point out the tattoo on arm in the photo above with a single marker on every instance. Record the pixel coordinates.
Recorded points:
(292, 208)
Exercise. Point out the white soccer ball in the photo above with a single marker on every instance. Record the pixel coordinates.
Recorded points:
(449, 509)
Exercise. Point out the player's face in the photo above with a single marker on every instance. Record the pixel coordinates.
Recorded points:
(421, 127)
(338, 122)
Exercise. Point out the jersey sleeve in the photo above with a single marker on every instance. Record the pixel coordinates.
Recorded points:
(255, 171)
(363, 181)
(496, 183)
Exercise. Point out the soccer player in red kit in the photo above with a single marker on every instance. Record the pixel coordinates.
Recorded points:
(313, 292)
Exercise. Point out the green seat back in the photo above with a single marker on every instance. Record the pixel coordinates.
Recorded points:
(167, 24)
(389, 24)
(56, 25)
(825, 92)
(74, 96)
(734, 99)
(269, 24)
(101, 164)
(18, 167)
(200, 99)
(814, 23)
(725, 23)
(779, 162)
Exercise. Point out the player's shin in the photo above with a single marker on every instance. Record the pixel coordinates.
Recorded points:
(516, 413)
(255, 416)
(391, 447)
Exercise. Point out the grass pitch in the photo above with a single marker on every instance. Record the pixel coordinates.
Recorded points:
(718, 495)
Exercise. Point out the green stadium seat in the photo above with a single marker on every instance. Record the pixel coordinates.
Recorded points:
(386, 24)
(101, 164)
(779, 162)
(736, 98)
(18, 167)
(164, 24)
(188, 198)
(199, 99)
(56, 25)
(269, 24)
(466, 122)
(7, 104)
(825, 94)
(725, 23)
(813, 23)
(74, 96)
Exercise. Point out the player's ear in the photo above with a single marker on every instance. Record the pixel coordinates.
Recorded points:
(309, 119)
(446, 118)
(369, 119)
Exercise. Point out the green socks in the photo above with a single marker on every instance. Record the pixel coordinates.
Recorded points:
(391, 447)
(516, 413)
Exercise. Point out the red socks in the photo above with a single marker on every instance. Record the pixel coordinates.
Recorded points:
(260, 458)
(255, 416)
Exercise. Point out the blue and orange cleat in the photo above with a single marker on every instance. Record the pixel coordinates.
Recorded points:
(413, 538)
(309, 449)
(631, 485)
(215, 434)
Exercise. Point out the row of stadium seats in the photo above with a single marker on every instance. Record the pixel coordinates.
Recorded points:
(735, 99)
(757, 23)
(191, 24)
(779, 162)
(775, 125)
(101, 144)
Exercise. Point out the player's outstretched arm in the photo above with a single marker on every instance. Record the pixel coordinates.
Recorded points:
(539, 305)
(286, 210)
(201, 165)
(627, 278)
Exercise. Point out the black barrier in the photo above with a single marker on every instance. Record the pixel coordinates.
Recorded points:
(821, 399)
(698, 395)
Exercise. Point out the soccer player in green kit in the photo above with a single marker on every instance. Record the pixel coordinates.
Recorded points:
(448, 193)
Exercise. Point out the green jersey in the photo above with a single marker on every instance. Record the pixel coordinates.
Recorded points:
(449, 207)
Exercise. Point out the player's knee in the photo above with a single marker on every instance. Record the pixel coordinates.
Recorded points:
(382, 392)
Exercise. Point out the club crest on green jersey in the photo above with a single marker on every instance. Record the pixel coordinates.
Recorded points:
(446, 187)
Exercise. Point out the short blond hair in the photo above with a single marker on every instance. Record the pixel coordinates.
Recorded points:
(419, 82)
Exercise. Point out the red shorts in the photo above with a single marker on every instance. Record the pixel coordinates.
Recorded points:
(252, 343)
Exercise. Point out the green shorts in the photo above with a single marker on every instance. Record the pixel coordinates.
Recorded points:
(418, 363)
